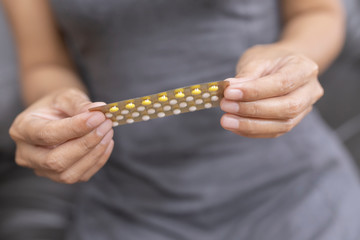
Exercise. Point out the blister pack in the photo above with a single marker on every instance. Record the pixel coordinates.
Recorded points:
(171, 102)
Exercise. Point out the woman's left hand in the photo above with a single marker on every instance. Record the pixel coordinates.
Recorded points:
(273, 91)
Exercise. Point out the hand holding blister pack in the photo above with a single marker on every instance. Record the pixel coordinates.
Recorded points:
(172, 102)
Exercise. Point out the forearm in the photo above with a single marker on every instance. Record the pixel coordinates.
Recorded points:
(44, 62)
(316, 31)
(42, 80)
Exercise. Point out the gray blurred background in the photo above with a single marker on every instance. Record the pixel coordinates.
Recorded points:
(340, 105)
(41, 208)
(30, 207)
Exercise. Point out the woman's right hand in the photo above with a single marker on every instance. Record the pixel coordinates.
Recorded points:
(60, 139)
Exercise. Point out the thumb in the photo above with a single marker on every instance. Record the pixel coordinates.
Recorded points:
(245, 71)
(248, 70)
(73, 102)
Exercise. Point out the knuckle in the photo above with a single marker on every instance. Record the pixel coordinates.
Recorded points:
(68, 178)
(286, 84)
(46, 135)
(320, 91)
(87, 144)
(315, 68)
(251, 109)
(288, 126)
(43, 135)
(14, 130)
(293, 108)
(21, 162)
(14, 133)
(311, 66)
(55, 163)
(251, 93)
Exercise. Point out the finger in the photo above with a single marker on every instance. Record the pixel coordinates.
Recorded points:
(63, 156)
(73, 102)
(251, 68)
(246, 73)
(280, 83)
(254, 127)
(43, 132)
(30, 156)
(99, 164)
(67, 154)
(97, 157)
(282, 108)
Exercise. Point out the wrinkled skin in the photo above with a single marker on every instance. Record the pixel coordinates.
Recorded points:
(59, 139)
(273, 91)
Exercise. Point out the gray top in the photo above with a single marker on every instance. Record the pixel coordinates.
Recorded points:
(10, 103)
(185, 177)
(9, 94)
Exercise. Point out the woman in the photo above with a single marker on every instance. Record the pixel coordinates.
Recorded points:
(186, 177)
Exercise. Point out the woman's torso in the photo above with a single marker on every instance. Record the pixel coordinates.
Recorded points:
(184, 177)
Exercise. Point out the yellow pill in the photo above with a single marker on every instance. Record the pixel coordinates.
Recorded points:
(146, 102)
(179, 93)
(114, 109)
(163, 97)
(213, 88)
(196, 91)
(130, 105)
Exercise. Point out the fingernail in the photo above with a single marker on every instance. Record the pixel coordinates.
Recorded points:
(107, 138)
(109, 147)
(233, 94)
(96, 104)
(231, 80)
(238, 80)
(230, 122)
(95, 119)
(231, 107)
(104, 128)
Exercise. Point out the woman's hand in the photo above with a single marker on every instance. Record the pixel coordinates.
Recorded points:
(273, 91)
(60, 139)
